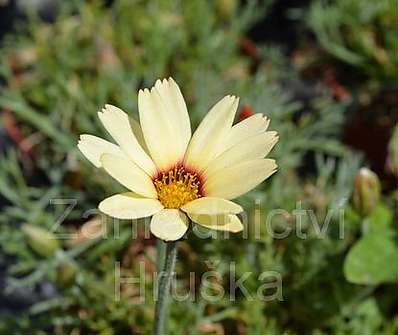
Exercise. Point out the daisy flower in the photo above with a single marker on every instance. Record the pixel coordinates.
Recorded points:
(174, 176)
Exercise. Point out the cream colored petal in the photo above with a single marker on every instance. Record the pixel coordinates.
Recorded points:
(129, 206)
(226, 222)
(211, 133)
(272, 139)
(117, 123)
(210, 220)
(165, 122)
(169, 224)
(211, 206)
(234, 181)
(94, 147)
(177, 109)
(257, 146)
(129, 175)
(137, 130)
(255, 124)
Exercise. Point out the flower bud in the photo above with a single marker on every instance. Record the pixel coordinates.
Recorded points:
(66, 273)
(366, 193)
(40, 240)
(226, 8)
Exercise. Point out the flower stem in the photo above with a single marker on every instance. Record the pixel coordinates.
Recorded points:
(164, 280)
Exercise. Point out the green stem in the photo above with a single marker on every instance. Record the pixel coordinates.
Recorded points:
(164, 280)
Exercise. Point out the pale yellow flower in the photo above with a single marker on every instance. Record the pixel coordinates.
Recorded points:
(173, 176)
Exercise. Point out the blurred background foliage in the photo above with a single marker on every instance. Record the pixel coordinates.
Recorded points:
(325, 73)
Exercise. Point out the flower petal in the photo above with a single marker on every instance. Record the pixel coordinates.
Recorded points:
(211, 206)
(226, 222)
(206, 140)
(116, 122)
(209, 220)
(169, 224)
(257, 146)
(129, 175)
(177, 109)
(94, 147)
(253, 125)
(236, 180)
(129, 206)
(165, 122)
(137, 130)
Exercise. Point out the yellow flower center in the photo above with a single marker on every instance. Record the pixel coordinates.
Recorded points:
(177, 187)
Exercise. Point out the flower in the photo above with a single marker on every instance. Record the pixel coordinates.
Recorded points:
(173, 176)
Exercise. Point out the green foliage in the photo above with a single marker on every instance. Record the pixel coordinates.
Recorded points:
(359, 33)
(41, 241)
(381, 219)
(372, 260)
(56, 76)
